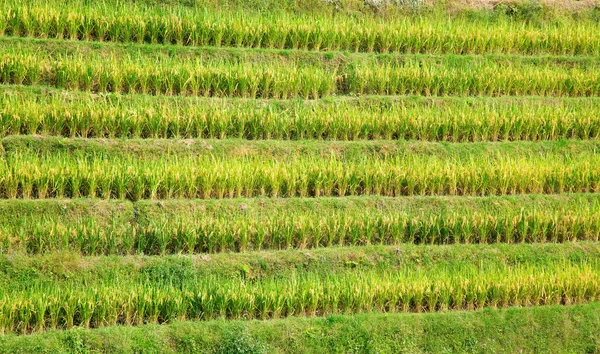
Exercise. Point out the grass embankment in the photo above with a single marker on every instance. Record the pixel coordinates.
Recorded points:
(191, 226)
(38, 110)
(276, 74)
(549, 329)
(524, 29)
(57, 292)
(151, 169)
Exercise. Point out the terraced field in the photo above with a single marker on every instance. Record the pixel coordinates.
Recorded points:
(299, 176)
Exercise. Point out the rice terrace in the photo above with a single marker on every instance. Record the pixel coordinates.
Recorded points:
(300, 176)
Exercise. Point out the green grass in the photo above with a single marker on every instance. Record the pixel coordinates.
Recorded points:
(191, 226)
(38, 110)
(136, 291)
(270, 74)
(63, 267)
(549, 329)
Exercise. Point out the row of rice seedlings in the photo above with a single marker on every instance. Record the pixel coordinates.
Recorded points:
(432, 33)
(440, 119)
(55, 174)
(37, 307)
(129, 75)
(491, 79)
(413, 75)
(311, 230)
(206, 232)
(85, 234)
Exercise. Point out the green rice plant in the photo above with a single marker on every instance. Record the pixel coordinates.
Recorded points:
(224, 169)
(134, 76)
(298, 294)
(272, 75)
(170, 227)
(494, 78)
(313, 229)
(27, 111)
(50, 226)
(433, 32)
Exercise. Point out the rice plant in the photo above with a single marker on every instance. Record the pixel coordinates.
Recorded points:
(108, 302)
(234, 169)
(238, 225)
(112, 212)
(413, 118)
(424, 33)
(119, 71)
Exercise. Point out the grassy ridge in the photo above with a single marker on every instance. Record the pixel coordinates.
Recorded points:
(192, 226)
(429, 33)
(157, 290)
(276, 75)
(551, 329)
(43, 168)
(62, 268)
(51, 112)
